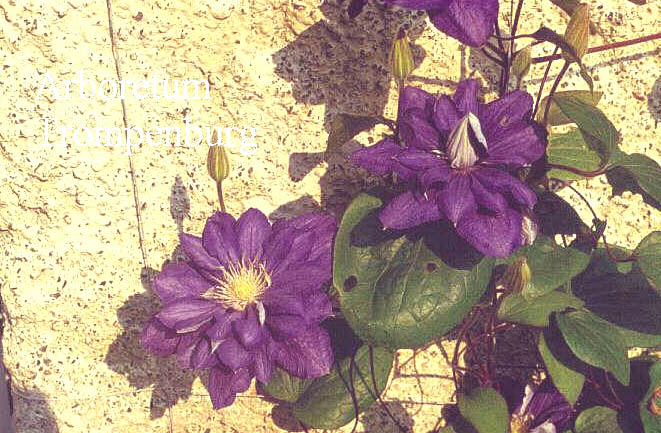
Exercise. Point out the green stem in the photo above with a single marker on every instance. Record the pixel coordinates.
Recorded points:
(221, 200)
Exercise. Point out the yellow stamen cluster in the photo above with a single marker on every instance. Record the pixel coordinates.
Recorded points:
(241, 284)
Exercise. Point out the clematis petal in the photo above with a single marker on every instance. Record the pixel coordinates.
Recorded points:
(456, 198)
(179, 281)
(446, 115)
(517, 145)
(419, 4)
(409, 210)
(219, 238)
(465, 98)
(503, 183)
(418, 131)
(202, 355)
(233, 354)
(220, 387)
(221, 327)
(285, 326)
(486, 198)
(470, 21)
(380, 158)
(264, 364)
(241, 380)
(194, 249)
(247, 330)
(187, 314)
(419, 160)
(440, 173)
(159, 339)
(512, 108)
(318, 308)
(185, 349)
(252, 229)
(302, 278)
(493, 235)
(413, 97)
(307, 356)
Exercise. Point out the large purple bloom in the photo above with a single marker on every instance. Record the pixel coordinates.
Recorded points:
(542, 410)
(457, 153)
(470, 21)
(250, 299)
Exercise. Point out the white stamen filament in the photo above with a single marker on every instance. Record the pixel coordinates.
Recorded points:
(241, 285)
(459, 148)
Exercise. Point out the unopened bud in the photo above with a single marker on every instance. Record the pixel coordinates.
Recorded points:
(521, 63)
(577, 34)
(218, 163)
(517, 275)
(401, 57)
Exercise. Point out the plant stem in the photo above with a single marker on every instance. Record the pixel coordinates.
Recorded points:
(594, 173)
(219, 186)
(602, 47)
(493, 58)
(543, 83)
(556, 83)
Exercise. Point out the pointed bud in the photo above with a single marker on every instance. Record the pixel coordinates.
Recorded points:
(577, 34)
(401, 57)
(218, 163)
(459, 149)
(521, 63)
(517, 275)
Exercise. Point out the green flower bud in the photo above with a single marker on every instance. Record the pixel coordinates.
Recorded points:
(521, 63)
(577, 34)
(401, 57)
(517, 275)
(218, 163)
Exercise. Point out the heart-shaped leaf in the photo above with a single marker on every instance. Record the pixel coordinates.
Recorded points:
(397, 293)
(535, 311)
(592, 122)
(556, 116)
(286, 387)
(550, 265)
(485, 409)
(570, 149)
(556, 216)
(569, 382)
(648, 256)
(330, 401)
(596, 342)
(598, 419)
(637, 173)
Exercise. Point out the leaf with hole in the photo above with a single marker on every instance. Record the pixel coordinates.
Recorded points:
(397, 292)
(330, 401)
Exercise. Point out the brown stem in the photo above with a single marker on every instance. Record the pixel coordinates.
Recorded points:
(556, 83)
(541, 86)
(602, 47)
(574, 170)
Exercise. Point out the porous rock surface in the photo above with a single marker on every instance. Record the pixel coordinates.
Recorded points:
(74, 281)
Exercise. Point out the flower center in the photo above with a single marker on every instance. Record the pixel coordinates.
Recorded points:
(520, 423)
(459, 149)
(241, 284)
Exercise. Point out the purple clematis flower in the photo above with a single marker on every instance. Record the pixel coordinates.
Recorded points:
(543, 410)
(472, 22)
(249, 300)
(455, 153)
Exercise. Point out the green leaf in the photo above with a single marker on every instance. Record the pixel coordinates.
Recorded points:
(556, 116)
(286, 387)
(651, 421)
(598, 419)
(328, 404)
(592, 122)
(637, 173)
(535, 312)
(570, 149)
(397, 293)
(569, 382)
(485, 409)
(596, 342)
(648, 256)
(550, 264)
